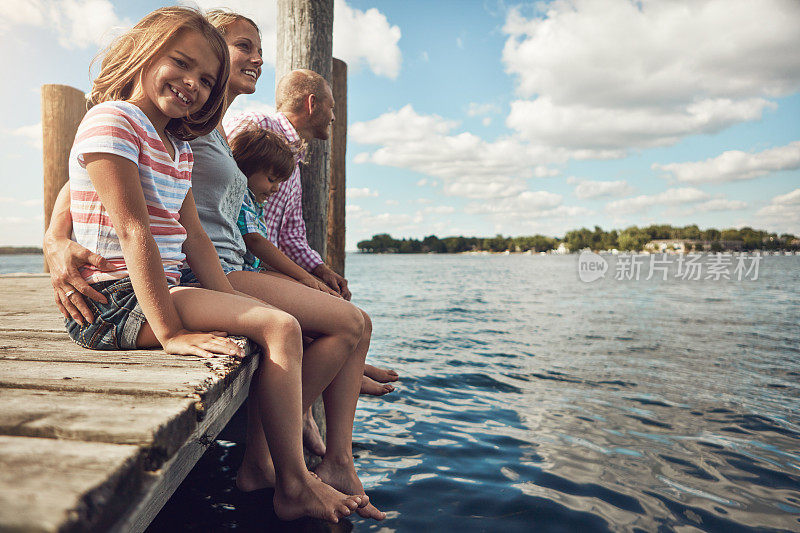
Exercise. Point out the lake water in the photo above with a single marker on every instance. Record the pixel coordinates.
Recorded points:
(533, 401)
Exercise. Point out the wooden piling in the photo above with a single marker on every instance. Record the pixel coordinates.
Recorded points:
(336, 190)
(63, 108)
(305, 40)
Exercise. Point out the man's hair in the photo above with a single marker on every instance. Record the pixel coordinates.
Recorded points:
(294, 88)
(256, 149)
(125, 60)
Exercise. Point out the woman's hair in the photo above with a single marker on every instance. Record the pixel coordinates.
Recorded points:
(222, 20)
(256, 149)
(125, 60)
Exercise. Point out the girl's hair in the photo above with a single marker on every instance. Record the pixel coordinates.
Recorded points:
(125, 60)
(256, 149)
(222, 20)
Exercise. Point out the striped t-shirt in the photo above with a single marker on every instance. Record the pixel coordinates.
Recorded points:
(122, 129)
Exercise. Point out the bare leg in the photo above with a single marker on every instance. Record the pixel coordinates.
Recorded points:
(334, 363)
(277, 394)
(311, 435)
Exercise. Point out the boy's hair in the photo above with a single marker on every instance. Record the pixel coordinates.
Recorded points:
(256, 149)
(125, 60)
(223, 18)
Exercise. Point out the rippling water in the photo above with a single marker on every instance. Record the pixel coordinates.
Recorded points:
(531, 401)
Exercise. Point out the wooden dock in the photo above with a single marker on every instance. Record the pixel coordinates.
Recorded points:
(97, 441)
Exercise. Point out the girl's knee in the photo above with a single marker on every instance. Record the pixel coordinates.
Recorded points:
(279, 325)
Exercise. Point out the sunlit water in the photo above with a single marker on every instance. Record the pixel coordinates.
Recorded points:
(532, 401)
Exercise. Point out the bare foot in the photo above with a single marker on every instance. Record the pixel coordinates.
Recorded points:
(252, 477)
(380, 375)
(373, 388)
(311, 436)
(342, 476)
(312, 497)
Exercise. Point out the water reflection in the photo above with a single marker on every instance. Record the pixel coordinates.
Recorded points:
(531, 400)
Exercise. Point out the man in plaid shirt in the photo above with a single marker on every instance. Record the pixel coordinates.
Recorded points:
(305, 111)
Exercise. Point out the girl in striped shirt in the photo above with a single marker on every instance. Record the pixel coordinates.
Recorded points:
(161, 85)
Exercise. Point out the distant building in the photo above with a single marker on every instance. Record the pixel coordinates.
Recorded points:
(682, 246)
(562, 249)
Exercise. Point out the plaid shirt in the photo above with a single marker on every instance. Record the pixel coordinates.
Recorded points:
(283, 212)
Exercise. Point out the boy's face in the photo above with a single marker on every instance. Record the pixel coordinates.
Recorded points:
(263, 185)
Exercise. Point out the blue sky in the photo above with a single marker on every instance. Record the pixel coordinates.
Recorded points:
(485, 117)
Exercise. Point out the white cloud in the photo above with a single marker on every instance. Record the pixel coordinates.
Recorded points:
(35, 202)
(578, 125)
(791, 198)
(585, 189)
(735, 165)
(78, 23)
(721, 204)
(423, 182)
(475, 109)
(366, 37)
(363, 192)
(244, 104)
(782, 214)
(404, 125)
(527, 203)
(359, 37)
(32, 134)
(615, 74)
(392, 202)
(468, 165)
(440, 210)
(670, 197)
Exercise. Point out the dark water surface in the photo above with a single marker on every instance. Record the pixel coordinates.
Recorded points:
(532, 401)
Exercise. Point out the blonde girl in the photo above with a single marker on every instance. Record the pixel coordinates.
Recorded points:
(162, 84)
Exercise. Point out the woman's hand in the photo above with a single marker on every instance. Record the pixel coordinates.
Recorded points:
(64, 257)
(314, 283)
(202, 344)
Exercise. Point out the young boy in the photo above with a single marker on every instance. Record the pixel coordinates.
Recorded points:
(266, 160)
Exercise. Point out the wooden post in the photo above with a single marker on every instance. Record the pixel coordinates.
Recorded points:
(336, 192)
(63, 108)
(305, 40)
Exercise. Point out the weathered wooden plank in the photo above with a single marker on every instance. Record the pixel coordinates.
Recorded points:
(46, 485)
(55, 347)
(136, 380)
(164, 482)
(27, 304)
(93, 417)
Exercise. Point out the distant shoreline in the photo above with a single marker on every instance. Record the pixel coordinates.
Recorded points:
(20, 250)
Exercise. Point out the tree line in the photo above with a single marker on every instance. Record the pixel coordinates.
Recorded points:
(629, 239)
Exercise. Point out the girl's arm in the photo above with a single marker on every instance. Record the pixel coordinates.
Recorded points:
(262, 248)
(116, 181)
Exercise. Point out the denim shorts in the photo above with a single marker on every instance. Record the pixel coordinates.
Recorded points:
(116, 323)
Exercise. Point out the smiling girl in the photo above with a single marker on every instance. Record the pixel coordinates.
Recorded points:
(161, 85)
